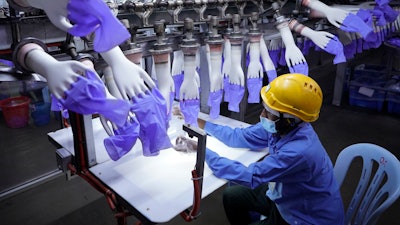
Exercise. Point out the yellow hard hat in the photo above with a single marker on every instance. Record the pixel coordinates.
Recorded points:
(295, 94)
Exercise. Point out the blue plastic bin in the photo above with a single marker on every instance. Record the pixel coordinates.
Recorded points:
(367, 92)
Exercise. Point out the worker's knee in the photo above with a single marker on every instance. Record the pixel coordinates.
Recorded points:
(235, 194)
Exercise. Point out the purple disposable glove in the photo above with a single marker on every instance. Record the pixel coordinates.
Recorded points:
(151, 112)
(366, 16)
(190, 109)
(271, 75)
(394, 41)
(301, 68)
(178, 79)
(282, 60)
(94, 15)
(359, 43)
(389, 14)
(274, 54)
(254, 86)
(226, 89)
(88, 96)
(353, 23)
(335, 47)
(307, 45)
(123, 140)
(171, 102)
(56, 106)
(214, 101)
(237, 92)
(379, 16)
(350, 49)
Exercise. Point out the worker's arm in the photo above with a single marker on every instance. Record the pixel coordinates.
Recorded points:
(253, 137)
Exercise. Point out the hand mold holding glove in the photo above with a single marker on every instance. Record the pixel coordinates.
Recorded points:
(87, 16)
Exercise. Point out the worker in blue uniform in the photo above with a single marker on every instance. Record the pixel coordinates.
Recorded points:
(294, 183)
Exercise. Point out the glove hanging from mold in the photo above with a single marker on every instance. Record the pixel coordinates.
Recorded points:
(151, 112)
(95, 16)
(254, 68)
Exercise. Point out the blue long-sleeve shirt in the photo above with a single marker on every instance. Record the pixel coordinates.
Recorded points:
(298, 168)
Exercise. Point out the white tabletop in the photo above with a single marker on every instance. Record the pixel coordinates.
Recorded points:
(159, 187)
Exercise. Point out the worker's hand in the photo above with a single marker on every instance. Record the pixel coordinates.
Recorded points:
(201, 123)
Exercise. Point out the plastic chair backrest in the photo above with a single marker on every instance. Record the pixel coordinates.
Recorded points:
(374, 193)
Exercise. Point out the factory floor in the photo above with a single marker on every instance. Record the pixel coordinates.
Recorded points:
(56, 201)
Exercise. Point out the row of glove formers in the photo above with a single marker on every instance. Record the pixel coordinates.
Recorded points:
(197, 9)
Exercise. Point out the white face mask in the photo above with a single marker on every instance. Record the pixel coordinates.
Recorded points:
(268, 124)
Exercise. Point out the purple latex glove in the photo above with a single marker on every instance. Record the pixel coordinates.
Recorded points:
(7, 63)
(366, 45)
(178, 79)
(382, 2)
(254, 86)
(359, 43)
(151, 112)
(271, 75)
(350, 49)
(335, 47)
(307, 45)
(377, 42)
(247, 59)
(282, 60)
(214, 101)
(365, 15)
(123, 140)
(353, 23)
(389, 14)
(394, 41)
(274, 54)
(226, 89)
(94, 15)
(171, 101)
(301, 68)
(190, 109)
(56, 106)
(379, 16)
(237, 92)
(88, 96)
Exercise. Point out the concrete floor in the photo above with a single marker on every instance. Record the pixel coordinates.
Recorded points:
(56, 201)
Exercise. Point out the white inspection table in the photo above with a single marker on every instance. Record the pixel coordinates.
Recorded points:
(158, 187)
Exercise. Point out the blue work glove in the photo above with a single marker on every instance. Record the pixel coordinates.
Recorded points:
(301, 68)
(237, 92)
(95, 16)
(254, 86)
(353, 23)
(335, 47)
(88, 96)
(123, 140)
(178, 79)
(190, 109)
(151, 112)
(214, 101)
(226, 89)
